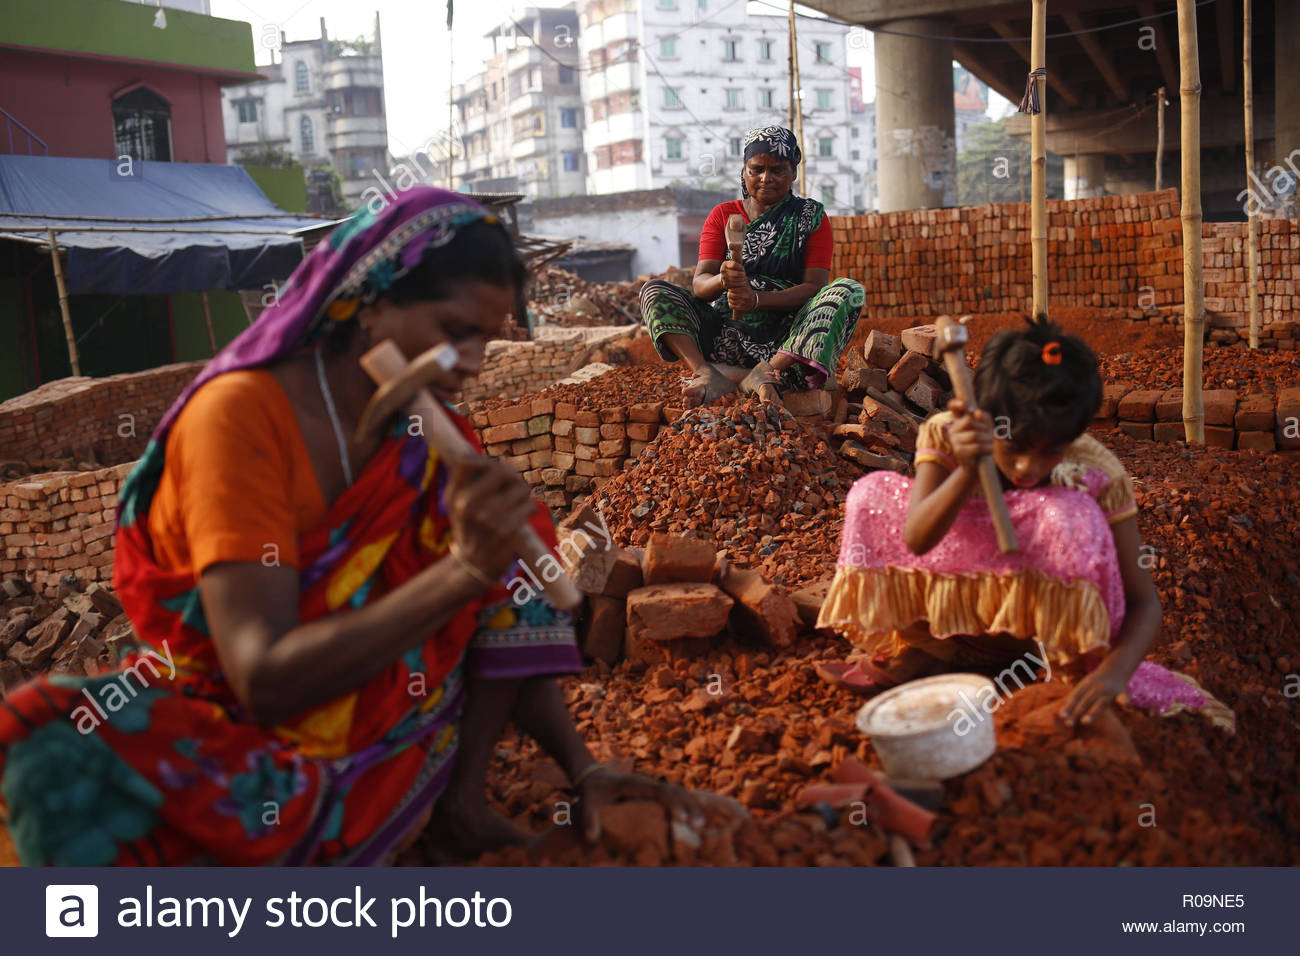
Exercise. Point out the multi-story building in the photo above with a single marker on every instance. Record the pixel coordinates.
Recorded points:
(672, 86)
(521, 118)
(322, 103)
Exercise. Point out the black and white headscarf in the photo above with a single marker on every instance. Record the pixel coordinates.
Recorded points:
(776, 140)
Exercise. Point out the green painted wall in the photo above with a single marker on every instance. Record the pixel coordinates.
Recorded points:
(116, 28)
(284, 186)
(228, 320)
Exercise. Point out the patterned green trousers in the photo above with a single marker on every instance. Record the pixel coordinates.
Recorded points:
(815, 335)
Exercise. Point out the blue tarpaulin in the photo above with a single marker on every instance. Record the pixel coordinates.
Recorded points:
(144, 227)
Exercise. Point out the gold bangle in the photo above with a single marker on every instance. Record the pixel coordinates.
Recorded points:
(591, 769)
(477, 573)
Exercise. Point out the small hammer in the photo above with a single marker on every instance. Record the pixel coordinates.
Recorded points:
(950, 347)
(401, 385)
(736, 244)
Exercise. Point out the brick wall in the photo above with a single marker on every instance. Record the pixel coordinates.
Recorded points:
(1113, 252)
(512, 369)
(72, 417)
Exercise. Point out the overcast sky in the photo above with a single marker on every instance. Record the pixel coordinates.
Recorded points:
(416, 47)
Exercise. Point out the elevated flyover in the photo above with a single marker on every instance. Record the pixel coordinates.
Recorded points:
(1105, 62)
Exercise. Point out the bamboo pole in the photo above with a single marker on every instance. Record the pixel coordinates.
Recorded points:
(798, 104)
(207, 317)
(1252, 241)
(73, 357)
(1189, 95)
(1161, 103)
(1038, 164)
(789, 67)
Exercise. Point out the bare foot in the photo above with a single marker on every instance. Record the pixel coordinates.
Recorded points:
(466, 833)
(708, 385)
(768, 395)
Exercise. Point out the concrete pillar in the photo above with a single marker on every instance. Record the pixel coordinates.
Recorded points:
(915, 120)
(1287, 80)
(1085, 176)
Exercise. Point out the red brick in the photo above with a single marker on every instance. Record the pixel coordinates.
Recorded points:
(613, 431)
(613, 448)
(808, 601)
(920, 338)
(1135, 429)
(1256, 441)
(615, 414)
(670, 557)
(926, 393)
(1169, 407)
(1219, 436)
(907, 370)
(503, 433)
(587, 434)
(882, 350)
(1111, 393)
(509, 414)
(665, 612)
(566, 411)
(642, 431)
(1169, 431)
(816, 402)
(542, 406)
(625, 576)
(603, 629)
(1220, 405)
(1139, 406)
(586, 419)
(648, 413)
(762, 610)
(1288, 418)
(1254, 413)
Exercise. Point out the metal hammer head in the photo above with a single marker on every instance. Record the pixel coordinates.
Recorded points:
(735, 230)
(399, 381)
(951, 334)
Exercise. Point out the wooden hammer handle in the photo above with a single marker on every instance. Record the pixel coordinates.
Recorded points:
(954, 360)
(735, 232)
(386, 361)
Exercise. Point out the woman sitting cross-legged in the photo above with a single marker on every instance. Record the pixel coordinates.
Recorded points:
(327, 651)
(794, 323)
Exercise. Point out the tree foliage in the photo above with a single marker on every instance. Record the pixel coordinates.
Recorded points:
(993, 164)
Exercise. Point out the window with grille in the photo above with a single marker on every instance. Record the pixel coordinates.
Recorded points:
(825, 147)
(668, 46)
(731, 50)
(823, 52)
(247, 111)
(142, 125)
(301, 81)
(765, 99)
(671, 99)
(673, 148)
(823, 99)
(733, 100)
(765, 49)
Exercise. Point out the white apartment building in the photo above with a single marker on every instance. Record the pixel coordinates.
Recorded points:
(323, 103)
(672, 86)
(520, 120)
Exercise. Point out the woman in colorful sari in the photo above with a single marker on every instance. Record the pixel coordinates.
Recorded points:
(326, 648)
(794, 322)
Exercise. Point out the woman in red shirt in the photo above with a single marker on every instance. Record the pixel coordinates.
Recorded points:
(794, 322)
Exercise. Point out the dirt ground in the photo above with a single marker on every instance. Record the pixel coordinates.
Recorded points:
(1140, 790)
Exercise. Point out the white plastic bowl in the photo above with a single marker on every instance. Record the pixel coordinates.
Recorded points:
(933, 728)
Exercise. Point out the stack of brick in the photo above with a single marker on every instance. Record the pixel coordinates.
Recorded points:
(669, 599)
(1121, 253)
(106, 420)
(79, 634)
(1255, 421)
(1227, 300)
(60, 524)
(564, 451)
(891, 388)
(511, 369)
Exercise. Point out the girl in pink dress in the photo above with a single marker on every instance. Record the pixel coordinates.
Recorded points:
(921, 586)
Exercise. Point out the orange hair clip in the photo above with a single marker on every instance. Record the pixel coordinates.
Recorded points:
(1052, 353)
